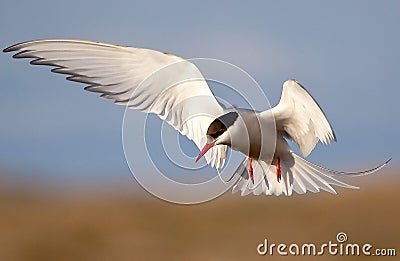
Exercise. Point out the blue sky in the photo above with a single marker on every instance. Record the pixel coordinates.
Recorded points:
(346, 53)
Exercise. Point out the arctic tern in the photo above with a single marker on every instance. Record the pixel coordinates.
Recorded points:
(117, 72)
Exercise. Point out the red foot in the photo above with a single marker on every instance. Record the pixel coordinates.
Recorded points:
(251, 170)
(278, 170)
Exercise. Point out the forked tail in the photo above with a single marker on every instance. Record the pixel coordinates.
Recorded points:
(298, 175)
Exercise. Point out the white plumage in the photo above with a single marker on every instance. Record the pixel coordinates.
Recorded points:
(179, 94)
(301, 118)
(124, 74)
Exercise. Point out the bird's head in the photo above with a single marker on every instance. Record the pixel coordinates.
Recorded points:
(218, 133)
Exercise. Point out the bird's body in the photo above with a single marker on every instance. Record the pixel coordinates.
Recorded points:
(246, 136)
(175, 90)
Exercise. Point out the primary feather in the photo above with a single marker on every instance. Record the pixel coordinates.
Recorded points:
(299, 116)
(148, 80)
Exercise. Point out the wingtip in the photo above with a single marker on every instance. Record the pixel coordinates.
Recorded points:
(18, 46)
(334, 136)
(8, 49)
(12, 48)
(387, 162)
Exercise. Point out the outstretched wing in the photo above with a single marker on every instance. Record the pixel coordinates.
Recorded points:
(301, 119)
(148, 80)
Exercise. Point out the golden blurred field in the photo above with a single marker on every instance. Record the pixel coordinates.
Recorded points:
(43, 225)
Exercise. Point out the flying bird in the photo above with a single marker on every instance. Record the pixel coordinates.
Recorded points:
(123, 74)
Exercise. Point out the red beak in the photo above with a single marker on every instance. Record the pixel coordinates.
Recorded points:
(205, 149)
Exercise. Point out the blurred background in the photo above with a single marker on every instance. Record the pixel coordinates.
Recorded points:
(66, 192)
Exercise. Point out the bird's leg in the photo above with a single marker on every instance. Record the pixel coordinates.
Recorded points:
(278, 170)
(251, 169)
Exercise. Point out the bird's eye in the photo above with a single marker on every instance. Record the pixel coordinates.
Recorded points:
(217, 134)
(214, 135)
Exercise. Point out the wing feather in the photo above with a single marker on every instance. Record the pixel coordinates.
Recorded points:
(299, 116)
(298, 175)
(148, 80)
